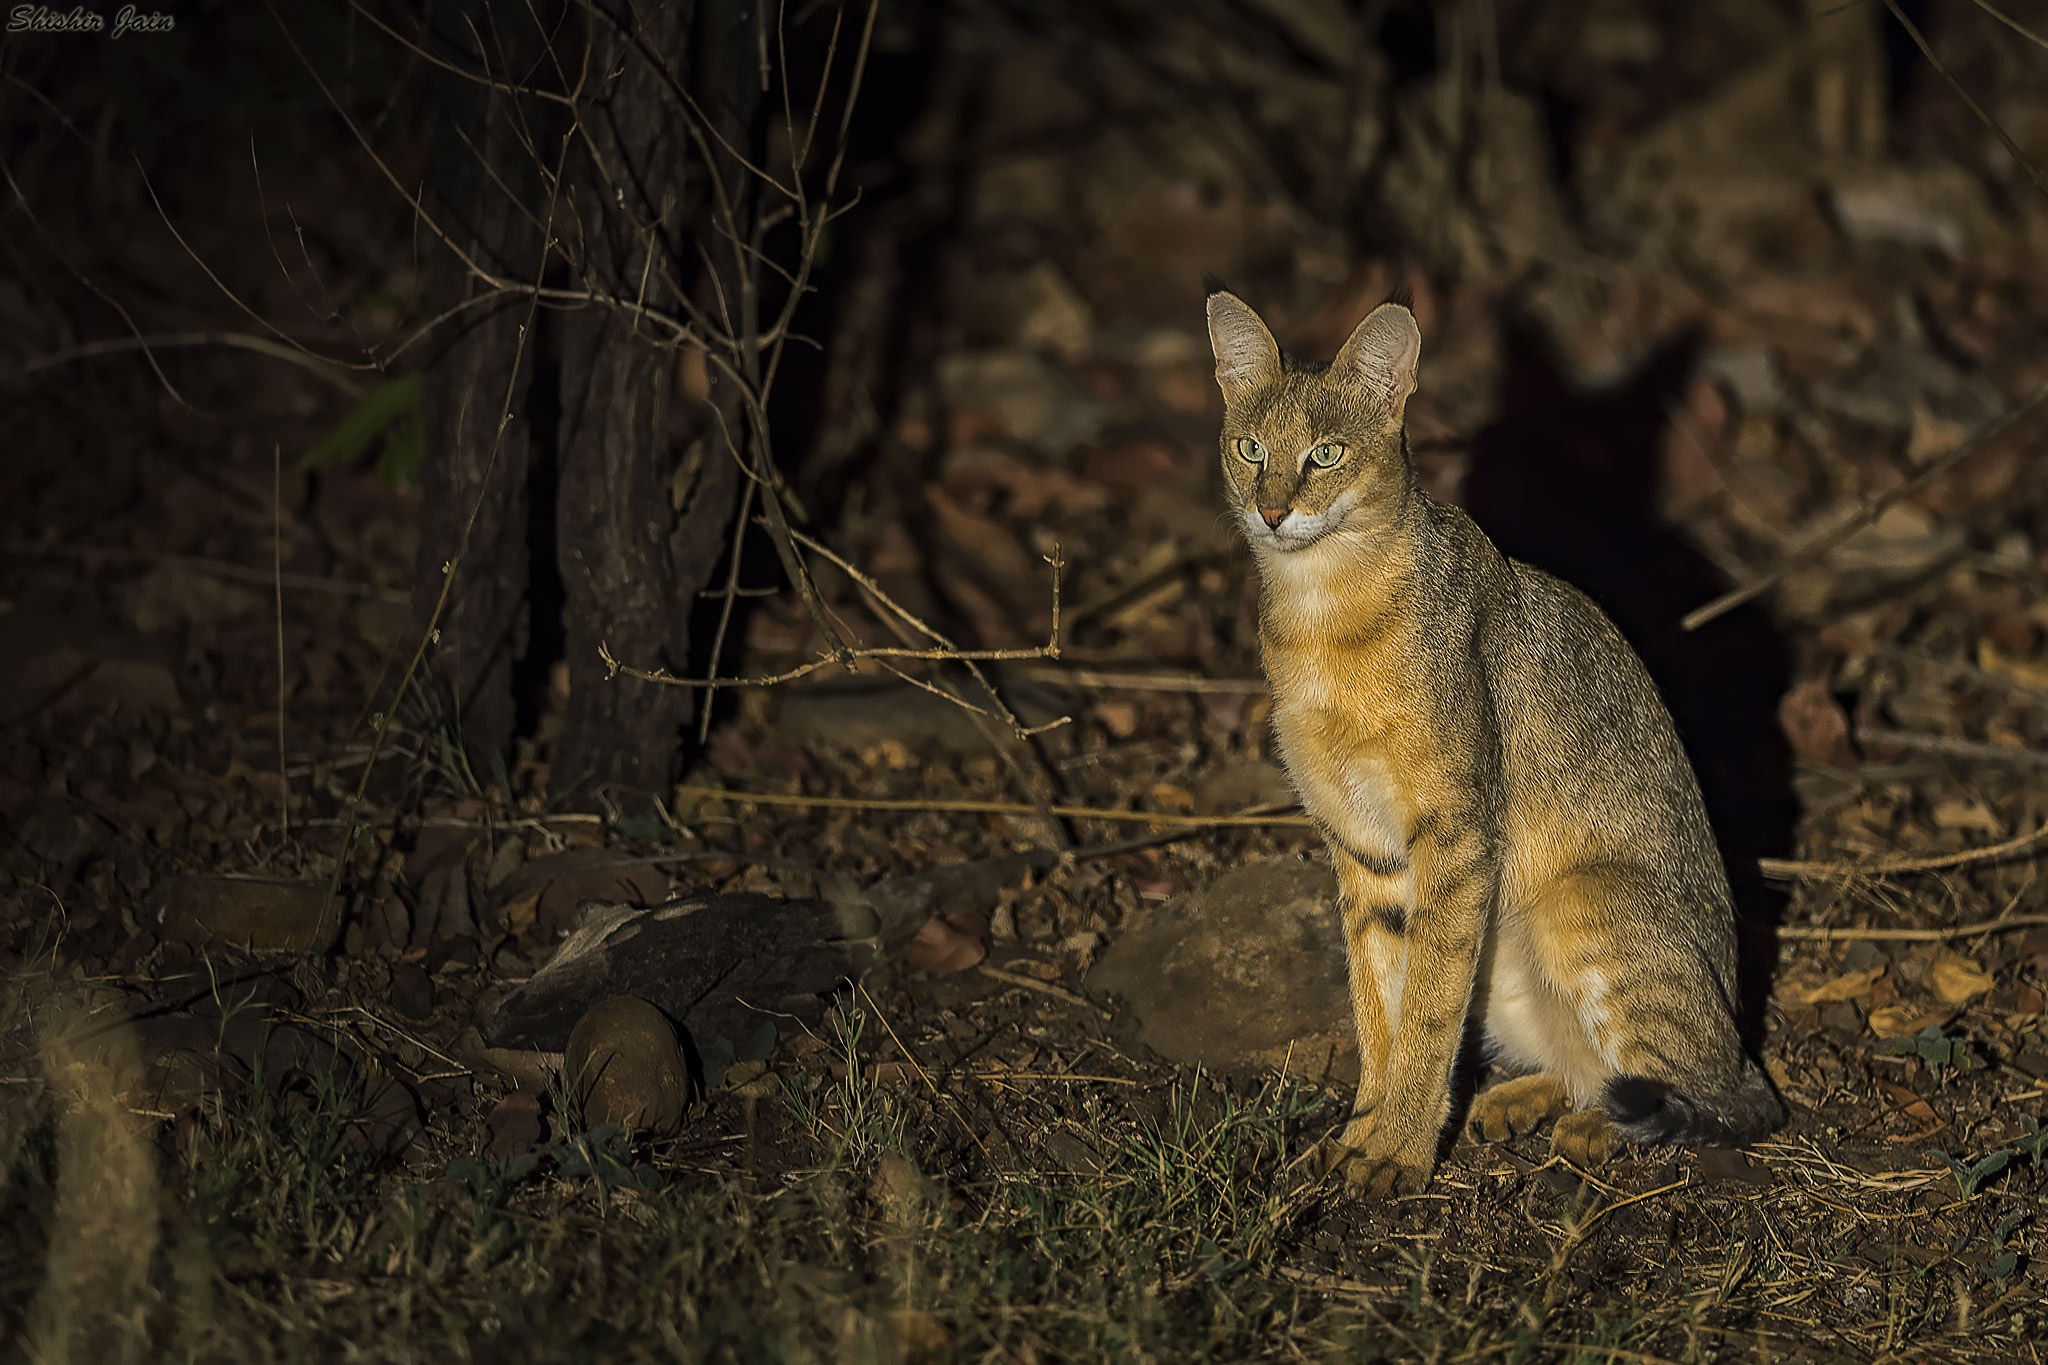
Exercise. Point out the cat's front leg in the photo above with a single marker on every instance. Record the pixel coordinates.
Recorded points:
(1456, 875)
(1375, 899)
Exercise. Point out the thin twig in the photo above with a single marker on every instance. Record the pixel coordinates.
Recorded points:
(2002, 17)
(327, 371)
(1032, 983)
(896, 616)
(21, 206)
(1579, 1233)
(1144, 682)
(284, 789)
(1871, 510)
(1968, 749)
(725, 608)
(217, 568)
(853, 655)
(1252, 818)
(1817, 934)
(2012, 148)
(922, 1074)
(1788, 869)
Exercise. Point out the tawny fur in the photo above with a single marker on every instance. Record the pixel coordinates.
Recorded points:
(1517, 832)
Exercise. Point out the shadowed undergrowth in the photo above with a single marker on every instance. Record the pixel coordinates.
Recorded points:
(263, 1229)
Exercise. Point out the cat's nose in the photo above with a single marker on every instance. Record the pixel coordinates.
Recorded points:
(1273, 516)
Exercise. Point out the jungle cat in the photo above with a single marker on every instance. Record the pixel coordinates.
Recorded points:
(1518, 836)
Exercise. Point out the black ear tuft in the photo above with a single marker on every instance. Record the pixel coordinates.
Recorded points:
(1403, 296)
(1212, 284)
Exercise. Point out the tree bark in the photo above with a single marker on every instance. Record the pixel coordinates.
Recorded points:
(483, 179)
(632, 458)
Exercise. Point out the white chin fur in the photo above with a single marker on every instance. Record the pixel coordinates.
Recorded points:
(1298, 532)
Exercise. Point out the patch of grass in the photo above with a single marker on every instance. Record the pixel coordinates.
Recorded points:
(897, 1223)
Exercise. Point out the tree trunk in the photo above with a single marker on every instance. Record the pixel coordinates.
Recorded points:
(633, 485)
(471, 467)
(647, 481)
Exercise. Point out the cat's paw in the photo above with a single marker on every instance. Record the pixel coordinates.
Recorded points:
(1514, 1107)
(1375, 1170)
(1381, 1175)
(1585, 1137)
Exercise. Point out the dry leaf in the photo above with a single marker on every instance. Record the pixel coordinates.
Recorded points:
(1847, 986)
(1168, 796)
(1902, 1021)
(1956, 979)
(1908, 1103)
(1954, 813)
(1932, 437)
(1120, 718)
(938, 947)
(1816, 726)
(2025, 672)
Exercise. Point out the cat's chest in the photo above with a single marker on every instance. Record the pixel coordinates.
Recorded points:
(1347, 785)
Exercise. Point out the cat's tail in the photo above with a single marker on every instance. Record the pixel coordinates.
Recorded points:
(1651, 1111)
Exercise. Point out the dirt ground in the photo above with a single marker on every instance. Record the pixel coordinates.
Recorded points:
(1696, 290)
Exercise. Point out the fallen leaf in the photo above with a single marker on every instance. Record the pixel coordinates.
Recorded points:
(2029, 1000)
(2026, 672)
(1954, 813)
(1902, 1021)
(940, 948)
(1120, 718)
(891, 753)
(1908, 1103)
(1816, 726)
(1932, 437)
(1956, 979)
(1847, 986)
(1168, 796)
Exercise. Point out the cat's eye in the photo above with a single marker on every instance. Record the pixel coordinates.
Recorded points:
(1326, 454)
(1251, 450)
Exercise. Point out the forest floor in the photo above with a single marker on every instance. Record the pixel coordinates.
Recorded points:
(250, 1106)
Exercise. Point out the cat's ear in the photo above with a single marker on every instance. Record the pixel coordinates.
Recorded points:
(1247, 357)
(1382, 353)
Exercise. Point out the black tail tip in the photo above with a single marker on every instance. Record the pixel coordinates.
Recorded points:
(1633, 1101)
(1654, 1112)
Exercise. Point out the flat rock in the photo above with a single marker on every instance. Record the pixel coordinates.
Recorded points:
(1245, 975)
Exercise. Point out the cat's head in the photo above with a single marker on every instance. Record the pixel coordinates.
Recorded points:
(1310, 450)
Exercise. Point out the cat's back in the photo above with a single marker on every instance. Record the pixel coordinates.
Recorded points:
(1589, 747)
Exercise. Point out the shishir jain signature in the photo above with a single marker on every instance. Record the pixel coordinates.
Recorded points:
(78, 19)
